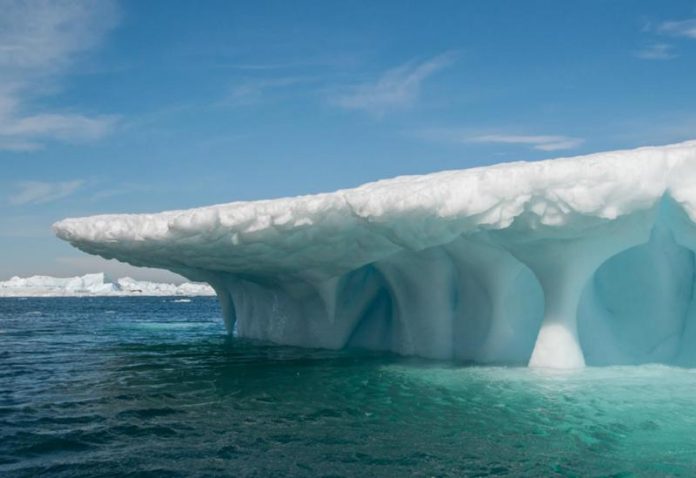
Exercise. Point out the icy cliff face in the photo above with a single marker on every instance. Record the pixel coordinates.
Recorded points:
(94, 285)
(552, 263)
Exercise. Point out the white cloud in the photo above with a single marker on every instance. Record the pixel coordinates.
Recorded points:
(17, 145)
(397, 88)
(39, 40)
(39, 192)
(64, 127)
(253, 90)
(539, 142)
(682, 28)
(656, 51)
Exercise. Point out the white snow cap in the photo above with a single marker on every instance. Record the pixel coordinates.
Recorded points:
(340, 230)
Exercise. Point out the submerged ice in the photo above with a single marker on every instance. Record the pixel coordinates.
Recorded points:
(554, 263)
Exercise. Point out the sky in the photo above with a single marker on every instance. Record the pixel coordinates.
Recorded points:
(132, 106)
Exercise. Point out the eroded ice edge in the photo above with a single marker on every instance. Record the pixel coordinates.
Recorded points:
(553, 263)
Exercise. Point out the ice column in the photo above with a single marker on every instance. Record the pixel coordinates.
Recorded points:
(563, 267)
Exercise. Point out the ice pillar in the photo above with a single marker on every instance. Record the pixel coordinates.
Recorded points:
(563, 267)
(561, 275)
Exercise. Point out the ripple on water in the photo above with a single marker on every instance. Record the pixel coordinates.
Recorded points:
(155, 388)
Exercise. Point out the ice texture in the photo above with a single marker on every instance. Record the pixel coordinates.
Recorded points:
(553, 263)
(95, 285)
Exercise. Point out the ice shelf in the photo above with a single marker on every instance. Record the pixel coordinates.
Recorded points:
(554, 263)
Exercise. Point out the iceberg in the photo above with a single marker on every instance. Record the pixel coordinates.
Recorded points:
(95, 285)
(556, 263)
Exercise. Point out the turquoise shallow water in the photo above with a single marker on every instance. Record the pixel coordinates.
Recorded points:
(154, 387)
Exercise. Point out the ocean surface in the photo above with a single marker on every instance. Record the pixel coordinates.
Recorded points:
(155, 387)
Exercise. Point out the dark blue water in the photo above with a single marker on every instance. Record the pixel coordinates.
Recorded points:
(154, 387)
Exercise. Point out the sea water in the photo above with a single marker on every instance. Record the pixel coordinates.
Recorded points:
(155, 387)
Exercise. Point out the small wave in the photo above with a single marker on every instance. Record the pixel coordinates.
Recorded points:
(181, 300)
(165, 325)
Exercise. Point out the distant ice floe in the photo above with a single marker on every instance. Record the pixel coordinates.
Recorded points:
(557, 263)
(96, 285)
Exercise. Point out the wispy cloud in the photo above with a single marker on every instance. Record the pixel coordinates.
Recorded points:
(17, 145)
(682, 28)
(656, 51)
(39, 40)
(396, 88)
(252, 91)
(538, 142)
(39, 192)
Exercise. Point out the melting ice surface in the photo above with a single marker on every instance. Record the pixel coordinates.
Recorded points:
(554, 263)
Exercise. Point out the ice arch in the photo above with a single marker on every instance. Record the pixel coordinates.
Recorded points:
(552, 263)
(639, 305)
(467, 300)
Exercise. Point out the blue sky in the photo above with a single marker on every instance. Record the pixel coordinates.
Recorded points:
(138, 106)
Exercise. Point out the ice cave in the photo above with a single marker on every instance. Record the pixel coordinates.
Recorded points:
(559, 263)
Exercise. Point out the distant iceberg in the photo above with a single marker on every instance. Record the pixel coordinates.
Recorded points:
(553, 263)
(95, 285)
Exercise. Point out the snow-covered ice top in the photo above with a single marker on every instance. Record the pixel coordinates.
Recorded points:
(95, 285)
(507, 263)
(338, 231)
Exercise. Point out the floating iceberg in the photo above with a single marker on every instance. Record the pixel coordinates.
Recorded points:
(95, 285)
(553, 263)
